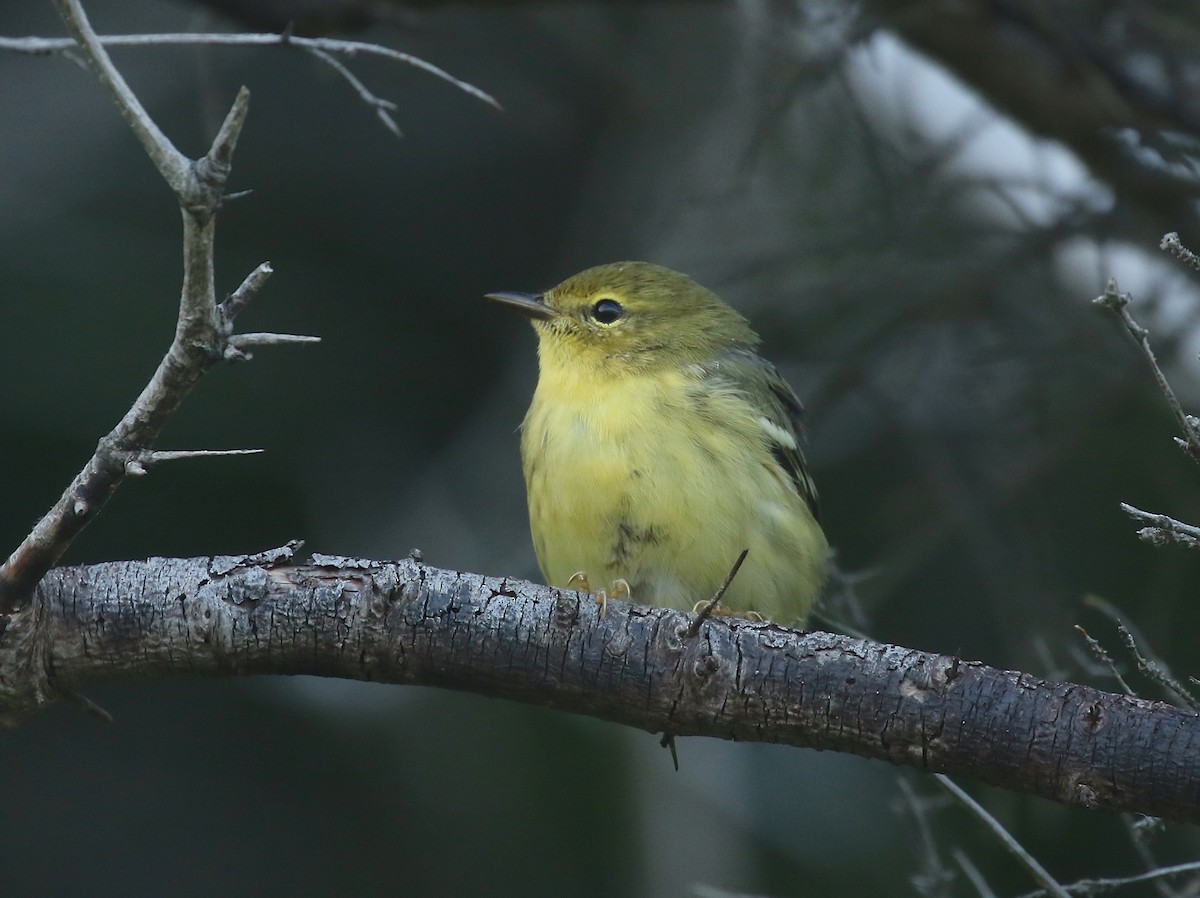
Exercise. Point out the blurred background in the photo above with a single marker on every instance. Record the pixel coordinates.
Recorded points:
(913, 202)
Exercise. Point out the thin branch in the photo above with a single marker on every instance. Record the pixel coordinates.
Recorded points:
(1102, 655)
(668, 742)
(237, 345)
(349, 49)
(1111, 884)
(712, 603)
(1149, 663)
(1162, 530)
(247, 290)
(383, 108)
(972, 873)
(1142, 831)
(141, 462)
(1027, 860)
(1118, 303)
(201, 323)
(934, 878)
(1172, 244)
(1156, 669)
(214, 165)
(88, 706)
(174, 167)
(233, 195)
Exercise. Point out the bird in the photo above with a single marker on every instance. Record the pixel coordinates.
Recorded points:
(659, 445)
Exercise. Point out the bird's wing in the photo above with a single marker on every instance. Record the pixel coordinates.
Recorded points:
(779, 409)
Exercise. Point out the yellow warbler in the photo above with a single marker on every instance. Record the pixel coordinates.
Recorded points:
(659, 445)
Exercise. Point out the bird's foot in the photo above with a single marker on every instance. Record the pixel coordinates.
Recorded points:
(722, 611)
(619, 590)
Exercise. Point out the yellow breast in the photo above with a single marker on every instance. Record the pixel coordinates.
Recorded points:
(657, 480)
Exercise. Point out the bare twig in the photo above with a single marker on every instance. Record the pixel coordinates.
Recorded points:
(716, 599)
(1099, 651)
(1162, 530)
(1143, 830)
(1156, 669)
(934, 878)
(246, 291)
(668, 741)
(668, 738)
(321, 48)
(1149, 663)
(174, 167)
(1100, 886)
(1118, 302)
(972, 873)
(1048, 882)
(236, 347)
(383, 108)
(1175, 247)
(88, 706)
(139, 463)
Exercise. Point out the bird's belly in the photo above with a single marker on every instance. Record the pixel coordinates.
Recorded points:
(588, 508)
(660, 509)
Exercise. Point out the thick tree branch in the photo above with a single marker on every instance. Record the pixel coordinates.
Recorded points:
(408, 623)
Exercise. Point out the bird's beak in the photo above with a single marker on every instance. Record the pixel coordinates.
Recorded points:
(532, 305)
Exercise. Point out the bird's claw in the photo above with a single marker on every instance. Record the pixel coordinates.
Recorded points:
(620, 590)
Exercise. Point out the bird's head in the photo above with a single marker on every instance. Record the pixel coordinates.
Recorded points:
(630, 316)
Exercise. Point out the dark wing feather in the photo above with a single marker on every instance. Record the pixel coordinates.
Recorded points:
(766, 389)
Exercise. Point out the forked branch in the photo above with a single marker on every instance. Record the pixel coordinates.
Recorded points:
(203, 333)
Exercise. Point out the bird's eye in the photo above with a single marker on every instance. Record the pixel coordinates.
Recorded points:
(607, 311)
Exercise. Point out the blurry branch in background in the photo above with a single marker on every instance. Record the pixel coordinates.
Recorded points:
(1172, 244)
(1159, 530)
(1049, 884)
(934, 876)
(1114, 82)
(1110, 884)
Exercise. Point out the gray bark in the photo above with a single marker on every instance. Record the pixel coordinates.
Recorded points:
(404, 622)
